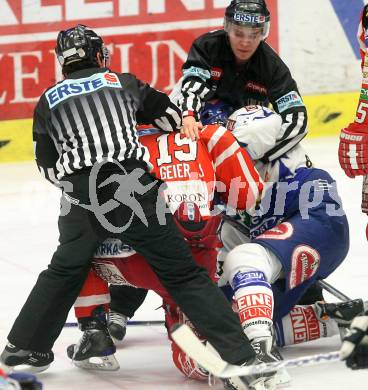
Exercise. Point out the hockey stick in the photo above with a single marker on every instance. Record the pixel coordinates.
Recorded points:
(193, 347)
(332, 290)
(365, 200)
(74, 324)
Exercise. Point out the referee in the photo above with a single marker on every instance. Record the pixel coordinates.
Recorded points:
(87, 120)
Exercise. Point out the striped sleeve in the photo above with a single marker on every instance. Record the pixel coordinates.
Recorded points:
(196, 78)
(170, 120)
(286, 100)
(45, 152)
(158, 109)
(292, 131)
(233, 167)
(194, 90)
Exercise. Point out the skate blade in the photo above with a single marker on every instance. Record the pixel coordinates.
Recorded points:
(26, 368)
(282, 377)
(258, 385)
(101, 363)
(270, 383)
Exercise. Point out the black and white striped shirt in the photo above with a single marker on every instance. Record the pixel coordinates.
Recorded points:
(211, 72)
(91, 117)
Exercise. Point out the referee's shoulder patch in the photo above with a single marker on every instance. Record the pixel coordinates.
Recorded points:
(74, 87)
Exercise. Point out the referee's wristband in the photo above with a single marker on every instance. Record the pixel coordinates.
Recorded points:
(190, 113)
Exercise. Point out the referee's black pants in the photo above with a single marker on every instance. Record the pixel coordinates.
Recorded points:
(45, 311)
(126, 299)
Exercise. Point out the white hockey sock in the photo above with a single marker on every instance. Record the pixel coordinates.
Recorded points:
(303, 324)
(254, 298)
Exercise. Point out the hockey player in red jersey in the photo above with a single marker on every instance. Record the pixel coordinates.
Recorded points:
(353, 156)
(353, 147)
(192, 172)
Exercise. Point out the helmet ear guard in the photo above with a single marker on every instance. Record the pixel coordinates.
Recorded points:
(106, 56)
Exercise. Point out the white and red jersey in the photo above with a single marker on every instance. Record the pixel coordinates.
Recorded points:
(194, 170)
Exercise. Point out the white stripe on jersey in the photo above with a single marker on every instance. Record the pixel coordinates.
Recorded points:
(69, 130)
(190, 90)
(48, 174)
(163, 123)
(52, 176)
(105, 126)
(175, 116)
(287, 147)
(78, 120)
(215, 138)
(93, 128)
(226, 153)
(297, 126)
(126, 122)
(253, 186)
(196, 86)
(353, 156)
(65, 162)
(92, 300)
(115, 116)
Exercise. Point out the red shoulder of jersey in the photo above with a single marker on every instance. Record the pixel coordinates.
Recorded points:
(234, 168)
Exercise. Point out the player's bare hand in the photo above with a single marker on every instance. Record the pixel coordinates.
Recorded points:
(191, 128)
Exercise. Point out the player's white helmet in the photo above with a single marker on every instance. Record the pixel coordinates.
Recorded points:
(256, 128)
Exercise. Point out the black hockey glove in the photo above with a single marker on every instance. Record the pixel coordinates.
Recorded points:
(354, 349)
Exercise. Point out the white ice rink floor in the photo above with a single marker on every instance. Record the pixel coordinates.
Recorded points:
(28, 237)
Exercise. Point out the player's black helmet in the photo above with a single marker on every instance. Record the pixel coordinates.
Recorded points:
(77, 44)
(248, 13)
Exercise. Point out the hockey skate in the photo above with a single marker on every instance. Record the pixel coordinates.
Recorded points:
(117, 324)
(25, 360)
(266, 352)
(342, 312)
(95, 350)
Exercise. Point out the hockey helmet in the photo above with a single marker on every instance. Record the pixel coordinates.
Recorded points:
(188, 212)
(79, 43)
(215, 111)
(248, 13)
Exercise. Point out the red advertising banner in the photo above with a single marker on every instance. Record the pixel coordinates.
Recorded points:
(149, 38)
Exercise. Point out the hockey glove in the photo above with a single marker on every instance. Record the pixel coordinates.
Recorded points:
(354, 349)
(353, 150)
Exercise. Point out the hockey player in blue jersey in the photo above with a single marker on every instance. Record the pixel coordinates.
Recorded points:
(297, 235)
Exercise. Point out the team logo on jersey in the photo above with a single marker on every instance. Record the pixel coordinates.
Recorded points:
(255, 87)
(113, 248)
(291, 99)
(280, 232)
(74, 87)
(216, 73)
(194, 71)
(305, 262)
(109, 272)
